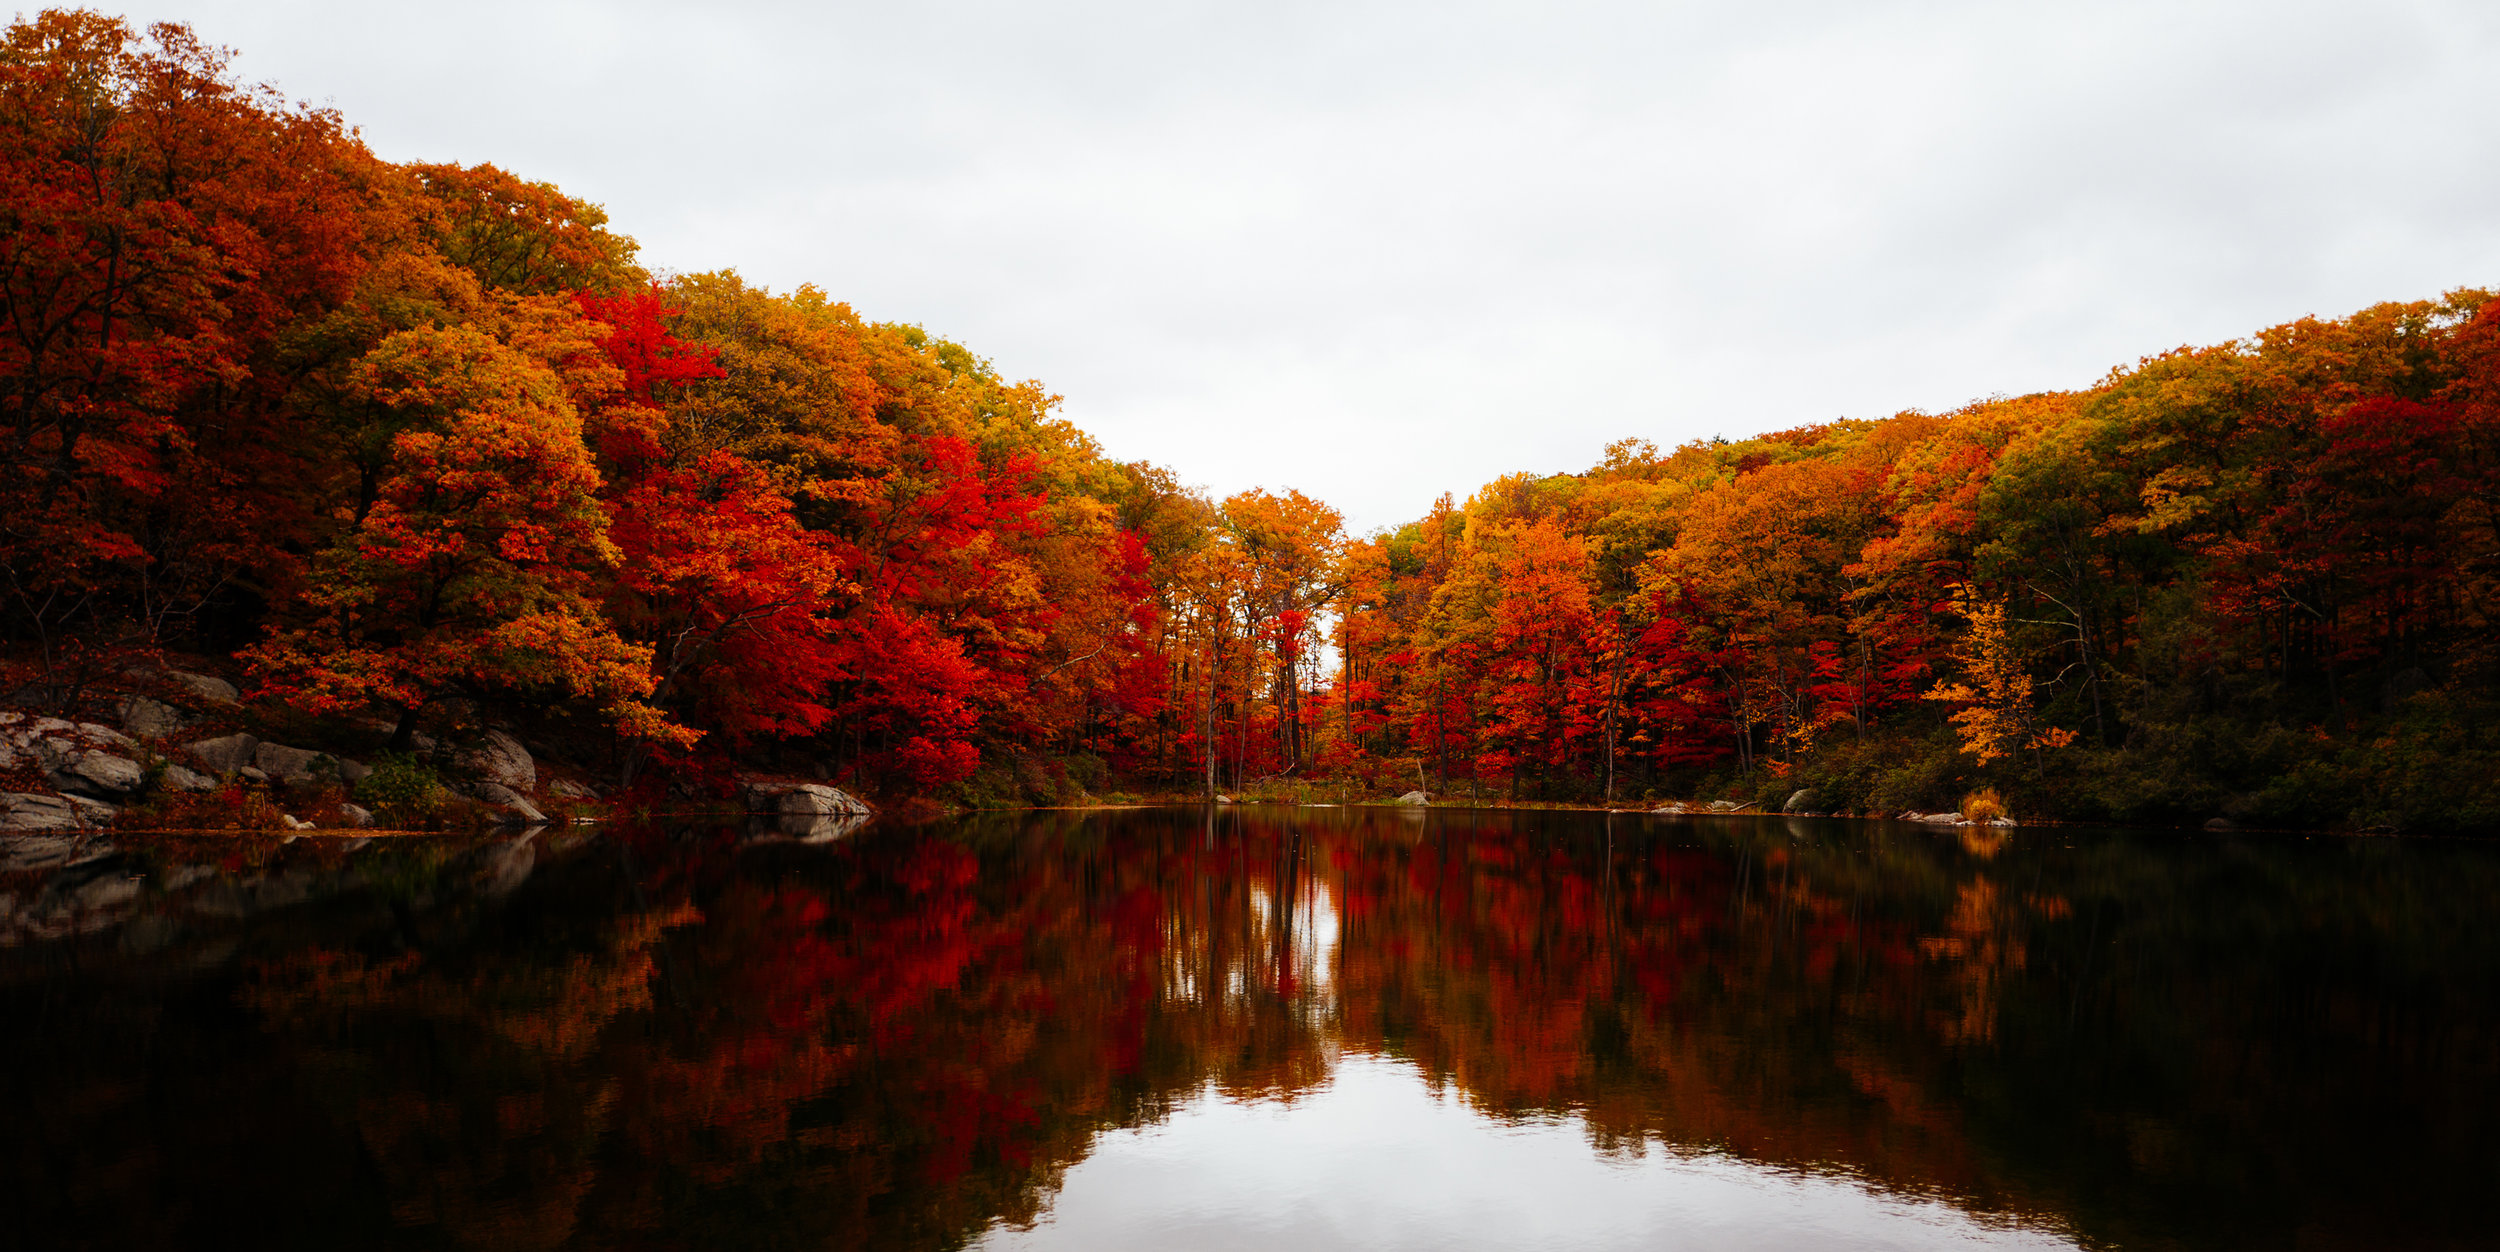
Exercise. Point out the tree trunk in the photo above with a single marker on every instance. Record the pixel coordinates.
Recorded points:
(404, 732)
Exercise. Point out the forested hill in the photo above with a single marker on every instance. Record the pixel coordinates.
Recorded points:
(2254, 581)
(406, 448)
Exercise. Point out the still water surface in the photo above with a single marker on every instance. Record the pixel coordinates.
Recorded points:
(1259, 1028)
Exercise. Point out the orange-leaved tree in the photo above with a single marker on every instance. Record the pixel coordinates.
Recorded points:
(475, 571)
(1997, 717)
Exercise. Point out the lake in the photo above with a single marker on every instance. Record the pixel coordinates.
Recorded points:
(1258, 1027)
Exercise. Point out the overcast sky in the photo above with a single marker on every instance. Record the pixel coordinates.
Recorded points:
(1381, 251)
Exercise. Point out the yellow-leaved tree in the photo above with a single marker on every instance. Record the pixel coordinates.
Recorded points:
(1997, 718)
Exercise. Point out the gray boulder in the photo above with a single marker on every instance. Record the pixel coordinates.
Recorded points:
(229, 754)
(301, 767)
(29, 811)
(59, 750)
(567, 789)
(184, 778)
(506, 797)
(818, 800)
(293, 766)
(41, 742)
(1803, 800)
(151, 719)
(23, 728)
(500, 758)
(214, 690)
(99, 774)
(1415, 798)
(98, 732)
(54, 753)
(357, 815)
(95, 812)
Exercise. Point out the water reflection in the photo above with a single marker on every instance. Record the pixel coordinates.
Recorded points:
(1374, 1159)
(1343, 1026)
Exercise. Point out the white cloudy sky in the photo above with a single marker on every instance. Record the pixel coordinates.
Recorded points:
(1378, 251)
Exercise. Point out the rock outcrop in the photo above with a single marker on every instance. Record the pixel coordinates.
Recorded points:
(293, 766)
(500, 758)
(99, 774)
(1952, 819)
(300, 767)
(35, 741)
(227, 754)
(807, 812)
(152, 719)
(213, 690)
(184, 778)
(85, 759)
(517, 804)
(1414, 797)
(31, 811)
(818, 800)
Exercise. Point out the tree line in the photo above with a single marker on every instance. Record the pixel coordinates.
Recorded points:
(2254, 580)
(402, 437)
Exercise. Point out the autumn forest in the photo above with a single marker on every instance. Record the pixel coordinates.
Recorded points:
(395, 443)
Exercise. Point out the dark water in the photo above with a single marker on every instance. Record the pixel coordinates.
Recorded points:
(1301, 1028)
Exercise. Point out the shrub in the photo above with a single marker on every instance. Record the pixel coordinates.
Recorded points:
(403, 783)
(234, 806)
(1983, 805)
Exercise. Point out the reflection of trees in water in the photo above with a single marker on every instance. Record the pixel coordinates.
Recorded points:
(893, 1040)
(1700, 996)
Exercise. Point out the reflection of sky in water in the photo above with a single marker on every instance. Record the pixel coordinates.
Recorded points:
(1374, 1159)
